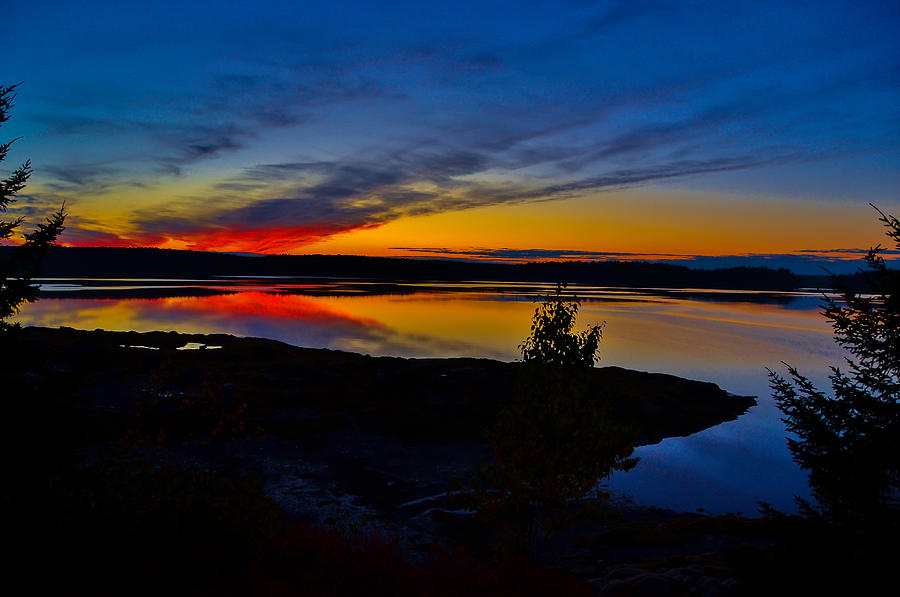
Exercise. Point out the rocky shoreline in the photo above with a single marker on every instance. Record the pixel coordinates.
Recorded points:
(340, 439)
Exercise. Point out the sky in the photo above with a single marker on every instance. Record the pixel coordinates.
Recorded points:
(704, 132)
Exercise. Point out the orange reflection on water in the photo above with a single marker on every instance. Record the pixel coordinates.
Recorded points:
(645, 330)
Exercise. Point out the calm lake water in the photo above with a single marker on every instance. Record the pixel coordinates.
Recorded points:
(727, 337)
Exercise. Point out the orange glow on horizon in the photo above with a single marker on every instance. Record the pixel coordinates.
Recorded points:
(635, 224)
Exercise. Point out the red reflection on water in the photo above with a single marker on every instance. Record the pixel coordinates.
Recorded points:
(199, 314)
(270, 305)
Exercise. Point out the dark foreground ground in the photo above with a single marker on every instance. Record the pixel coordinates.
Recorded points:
(257, 467)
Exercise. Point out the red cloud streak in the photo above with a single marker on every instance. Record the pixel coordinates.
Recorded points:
(271, 240)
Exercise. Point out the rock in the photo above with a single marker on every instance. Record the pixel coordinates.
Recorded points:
(652, 585)
(728, 586)
(613, 587)
(703, 584)
(624, 573)
(679, 576)
(596, 584)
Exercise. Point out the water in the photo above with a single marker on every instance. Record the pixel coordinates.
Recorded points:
(725, 337)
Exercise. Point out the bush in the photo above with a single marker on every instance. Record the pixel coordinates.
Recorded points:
(557, 439)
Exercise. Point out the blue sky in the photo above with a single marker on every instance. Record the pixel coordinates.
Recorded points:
(362, 127)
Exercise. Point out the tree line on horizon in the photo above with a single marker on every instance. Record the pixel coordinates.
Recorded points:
(151, 262)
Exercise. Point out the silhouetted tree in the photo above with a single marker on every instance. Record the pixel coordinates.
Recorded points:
(848, 441)
(557, 438)
(17, 269)
(553, 342)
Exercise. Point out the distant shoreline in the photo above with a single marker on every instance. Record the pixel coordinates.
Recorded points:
(149, 288)
(108, 262)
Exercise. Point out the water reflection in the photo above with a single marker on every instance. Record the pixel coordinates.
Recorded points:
(724, 337)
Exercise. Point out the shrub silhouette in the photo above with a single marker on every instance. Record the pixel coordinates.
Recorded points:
(553, 342)
(848, 441)
(556, 439)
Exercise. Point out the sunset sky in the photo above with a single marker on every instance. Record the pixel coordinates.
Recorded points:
(513, 130)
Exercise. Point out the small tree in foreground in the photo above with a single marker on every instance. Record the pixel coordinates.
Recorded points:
(17, 270)
(849, 441)
(553, 341)
(556, 439)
